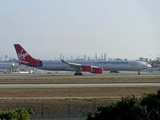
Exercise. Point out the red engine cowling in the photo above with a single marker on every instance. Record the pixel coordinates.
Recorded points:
(86, 68)
(97, 70)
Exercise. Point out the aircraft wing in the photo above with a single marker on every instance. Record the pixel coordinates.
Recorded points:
(85, 68)
(72, 64)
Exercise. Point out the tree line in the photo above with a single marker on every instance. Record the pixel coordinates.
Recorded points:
(16, 114)
(147, 107)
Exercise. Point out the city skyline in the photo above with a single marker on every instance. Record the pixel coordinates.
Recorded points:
(85, 57)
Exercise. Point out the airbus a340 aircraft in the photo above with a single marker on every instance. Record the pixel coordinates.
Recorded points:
(92, 66)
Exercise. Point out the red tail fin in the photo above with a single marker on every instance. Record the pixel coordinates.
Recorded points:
(25, 58)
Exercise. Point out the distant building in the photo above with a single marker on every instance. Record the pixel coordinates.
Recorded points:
(143, 59)
(158, 59)
(146, 59)
(118, 59)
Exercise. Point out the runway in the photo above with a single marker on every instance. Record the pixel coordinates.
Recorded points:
(78, 85)
(86, 75)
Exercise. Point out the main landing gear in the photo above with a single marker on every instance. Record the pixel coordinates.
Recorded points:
(77, 73)
(139, 73)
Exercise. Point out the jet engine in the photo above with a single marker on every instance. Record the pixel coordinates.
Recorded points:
(92, 69)
(86, 68)
(97, 70)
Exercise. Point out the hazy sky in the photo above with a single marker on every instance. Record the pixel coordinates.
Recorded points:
(45, 28)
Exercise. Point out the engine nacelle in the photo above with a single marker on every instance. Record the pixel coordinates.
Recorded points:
(97, 70)
(92, 69)
(86, 68)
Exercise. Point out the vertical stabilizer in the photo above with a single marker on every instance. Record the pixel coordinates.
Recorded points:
(25, 58)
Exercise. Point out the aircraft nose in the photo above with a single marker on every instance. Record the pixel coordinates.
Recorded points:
(147, 65)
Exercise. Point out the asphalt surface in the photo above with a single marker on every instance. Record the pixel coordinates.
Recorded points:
(24, 85)
(71, 85)
(85, 75)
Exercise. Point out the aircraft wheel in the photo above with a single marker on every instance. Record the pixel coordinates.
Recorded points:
(80, 74)
(139, 73)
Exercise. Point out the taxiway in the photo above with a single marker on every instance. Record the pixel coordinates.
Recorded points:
(86, 75)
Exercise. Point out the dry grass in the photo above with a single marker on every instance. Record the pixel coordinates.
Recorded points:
(77, 92)
(74, 92)
(80, 80)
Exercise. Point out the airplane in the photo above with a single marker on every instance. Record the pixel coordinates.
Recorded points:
(92, 66)
(7, 67)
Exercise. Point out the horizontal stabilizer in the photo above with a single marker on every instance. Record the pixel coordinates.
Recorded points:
(23, 62)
